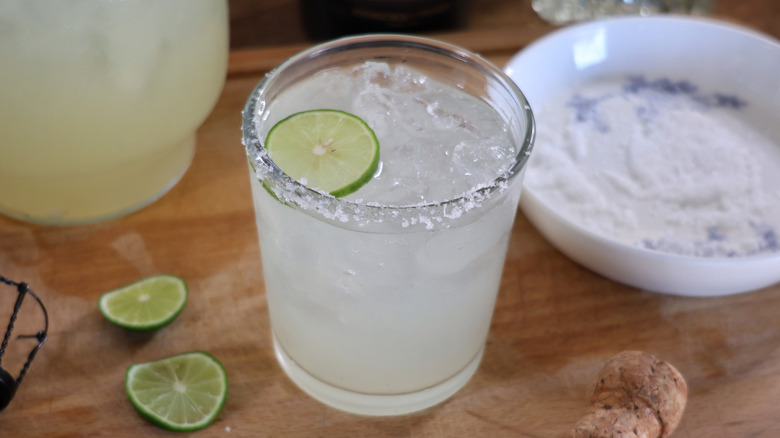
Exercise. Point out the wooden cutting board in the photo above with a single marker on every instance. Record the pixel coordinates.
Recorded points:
(555, 323)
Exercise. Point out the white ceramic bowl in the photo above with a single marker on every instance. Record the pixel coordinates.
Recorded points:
(732, 58)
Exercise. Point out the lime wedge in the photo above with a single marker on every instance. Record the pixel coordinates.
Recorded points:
(184, 392)
(147, 304)
(329, 150)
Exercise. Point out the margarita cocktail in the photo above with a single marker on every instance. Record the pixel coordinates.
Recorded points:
(380, 301)
(100, 100)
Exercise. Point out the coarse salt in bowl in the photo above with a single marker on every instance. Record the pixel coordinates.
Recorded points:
(657, 160)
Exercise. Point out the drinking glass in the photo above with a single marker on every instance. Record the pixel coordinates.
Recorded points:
(379, 308)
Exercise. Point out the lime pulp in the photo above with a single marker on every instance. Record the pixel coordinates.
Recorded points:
(329, 150)
(184, 392)
(147, 304)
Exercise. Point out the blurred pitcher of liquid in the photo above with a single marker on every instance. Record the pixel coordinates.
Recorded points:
(100, 101)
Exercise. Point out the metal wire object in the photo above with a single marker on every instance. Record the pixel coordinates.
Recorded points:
(8, 383)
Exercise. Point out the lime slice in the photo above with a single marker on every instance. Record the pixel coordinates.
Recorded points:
(184, 392)
(147, 304)
(329, 150)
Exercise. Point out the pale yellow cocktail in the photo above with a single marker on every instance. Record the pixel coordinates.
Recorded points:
(100, 100)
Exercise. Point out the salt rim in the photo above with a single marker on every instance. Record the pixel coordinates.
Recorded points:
(431, 215)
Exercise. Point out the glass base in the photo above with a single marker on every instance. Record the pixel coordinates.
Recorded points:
(372, 404)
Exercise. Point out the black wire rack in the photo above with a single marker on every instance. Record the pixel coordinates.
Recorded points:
(8, 383)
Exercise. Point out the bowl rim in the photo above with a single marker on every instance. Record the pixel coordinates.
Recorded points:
(677, 19)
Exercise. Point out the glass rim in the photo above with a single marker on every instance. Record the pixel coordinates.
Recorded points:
(478, 193)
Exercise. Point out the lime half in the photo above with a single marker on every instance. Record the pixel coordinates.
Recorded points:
(184, 392)
(329, 150)
(147, 304)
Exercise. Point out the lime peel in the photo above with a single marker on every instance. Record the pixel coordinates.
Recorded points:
(328, 150)
(182, 393)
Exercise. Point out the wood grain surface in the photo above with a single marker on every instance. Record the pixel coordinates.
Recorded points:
(555, 322)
